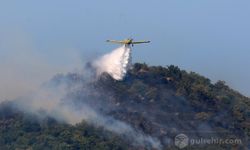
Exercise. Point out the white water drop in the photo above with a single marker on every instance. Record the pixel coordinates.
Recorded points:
(115, 63)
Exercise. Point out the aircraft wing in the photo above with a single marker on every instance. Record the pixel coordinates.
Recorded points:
(114, 41)
(140, 42)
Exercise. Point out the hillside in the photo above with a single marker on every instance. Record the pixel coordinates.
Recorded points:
(158, 102)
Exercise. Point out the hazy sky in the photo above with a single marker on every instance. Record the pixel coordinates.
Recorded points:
(40, 38)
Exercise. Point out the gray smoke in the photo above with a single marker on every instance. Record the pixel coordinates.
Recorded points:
(24, 68)
(57, 98)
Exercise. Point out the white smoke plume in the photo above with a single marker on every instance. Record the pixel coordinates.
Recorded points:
(57, 100)
(115, 63)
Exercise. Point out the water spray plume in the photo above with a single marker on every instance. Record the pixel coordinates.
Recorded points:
(115, 63)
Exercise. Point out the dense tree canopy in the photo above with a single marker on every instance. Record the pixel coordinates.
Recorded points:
(160, 101)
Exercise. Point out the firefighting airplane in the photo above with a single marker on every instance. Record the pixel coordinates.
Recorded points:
(127, 42)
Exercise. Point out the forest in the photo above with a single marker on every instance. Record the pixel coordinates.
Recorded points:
(157, 101)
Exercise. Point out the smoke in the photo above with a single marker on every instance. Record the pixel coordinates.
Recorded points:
(24, 68)
(69, 99)
(115, 63)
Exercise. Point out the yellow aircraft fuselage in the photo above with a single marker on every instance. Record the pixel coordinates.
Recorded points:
(127, 42)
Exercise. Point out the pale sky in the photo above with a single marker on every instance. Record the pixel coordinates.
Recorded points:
(41, 38)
